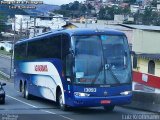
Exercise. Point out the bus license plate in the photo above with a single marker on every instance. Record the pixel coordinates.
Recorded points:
(105, 101)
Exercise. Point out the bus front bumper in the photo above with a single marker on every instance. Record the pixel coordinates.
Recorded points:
(101, 101)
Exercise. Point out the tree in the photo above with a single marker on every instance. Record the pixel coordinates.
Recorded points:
(147, 16)
(102, 13)
(75, 5)
(2, 22)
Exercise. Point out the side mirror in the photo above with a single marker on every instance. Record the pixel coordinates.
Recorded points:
(3, 84)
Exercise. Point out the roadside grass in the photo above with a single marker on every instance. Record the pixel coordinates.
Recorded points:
(3, 52)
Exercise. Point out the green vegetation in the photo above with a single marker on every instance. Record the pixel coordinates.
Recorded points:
(148, 17)
(1, 22)
(108, 13)
(75, 10)
(3, 52)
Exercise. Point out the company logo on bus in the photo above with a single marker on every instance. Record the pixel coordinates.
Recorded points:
(41, 68)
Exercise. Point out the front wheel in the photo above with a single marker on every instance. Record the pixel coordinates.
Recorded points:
(61, 102)
(109, 108)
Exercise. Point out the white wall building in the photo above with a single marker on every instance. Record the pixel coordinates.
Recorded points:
(134, 8)
(158, 6)
(38, 30)
(24, 22)
(119, 18)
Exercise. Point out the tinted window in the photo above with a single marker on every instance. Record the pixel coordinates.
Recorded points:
(20, 52)
(45, 48)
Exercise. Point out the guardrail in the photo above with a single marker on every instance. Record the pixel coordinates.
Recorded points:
(5, 75)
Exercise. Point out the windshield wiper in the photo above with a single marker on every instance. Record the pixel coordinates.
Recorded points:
(98, 73)
(108, 67)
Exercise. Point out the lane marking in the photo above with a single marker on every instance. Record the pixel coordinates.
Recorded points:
(5, 75)
(21, 101)
(66, 117)
(38, 107)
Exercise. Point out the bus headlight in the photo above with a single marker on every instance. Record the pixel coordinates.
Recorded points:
(126, 93)
(81, 94)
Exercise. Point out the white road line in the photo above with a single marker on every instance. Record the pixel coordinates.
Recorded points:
(48, 112)
(21, 101)
(66, 117)
(37, 107)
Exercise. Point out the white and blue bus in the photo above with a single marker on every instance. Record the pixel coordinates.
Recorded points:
(75, 68)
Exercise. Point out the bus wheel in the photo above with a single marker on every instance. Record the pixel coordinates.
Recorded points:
(61, 102)
(109, 108)
(26, 94)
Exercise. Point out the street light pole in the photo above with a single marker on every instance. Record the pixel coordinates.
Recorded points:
(27, 31)
(86, 20)
(34, 26)
(13, 42)
(21, 28)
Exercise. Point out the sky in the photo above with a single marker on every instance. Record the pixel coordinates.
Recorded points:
(54, 2)
(59, 2)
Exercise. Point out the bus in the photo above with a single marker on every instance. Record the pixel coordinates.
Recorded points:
(75, 68)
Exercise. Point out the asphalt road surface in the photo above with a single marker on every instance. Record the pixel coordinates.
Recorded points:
(5, 65)
(18, 108)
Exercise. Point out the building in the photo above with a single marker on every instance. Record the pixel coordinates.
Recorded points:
(146, 60)
(158, 6)
(104, 24)
(97, 4)
(24, 22)
(134, 8)
(37, 30)
(119, 18)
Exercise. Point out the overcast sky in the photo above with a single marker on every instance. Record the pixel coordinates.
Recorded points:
(54, 2)
(59, 2)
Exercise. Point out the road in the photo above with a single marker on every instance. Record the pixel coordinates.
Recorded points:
(40, 109)
(5, 65)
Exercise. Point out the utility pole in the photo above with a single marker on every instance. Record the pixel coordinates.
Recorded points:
(27, 31)
(21, 28)
(86, 20)
(13, 42)
(34, 26)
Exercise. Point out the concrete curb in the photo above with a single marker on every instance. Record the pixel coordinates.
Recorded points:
(145, 101)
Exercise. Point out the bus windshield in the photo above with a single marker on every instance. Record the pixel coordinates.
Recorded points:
(101, 59)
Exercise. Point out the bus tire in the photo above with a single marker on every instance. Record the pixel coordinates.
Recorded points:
(26, 93)
(61, 104)
(108, 108)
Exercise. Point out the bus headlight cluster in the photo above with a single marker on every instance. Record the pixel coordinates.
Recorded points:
(126, 92)
(81, 94)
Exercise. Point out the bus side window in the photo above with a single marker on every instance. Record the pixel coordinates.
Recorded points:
(20, 52)
(45, 48)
